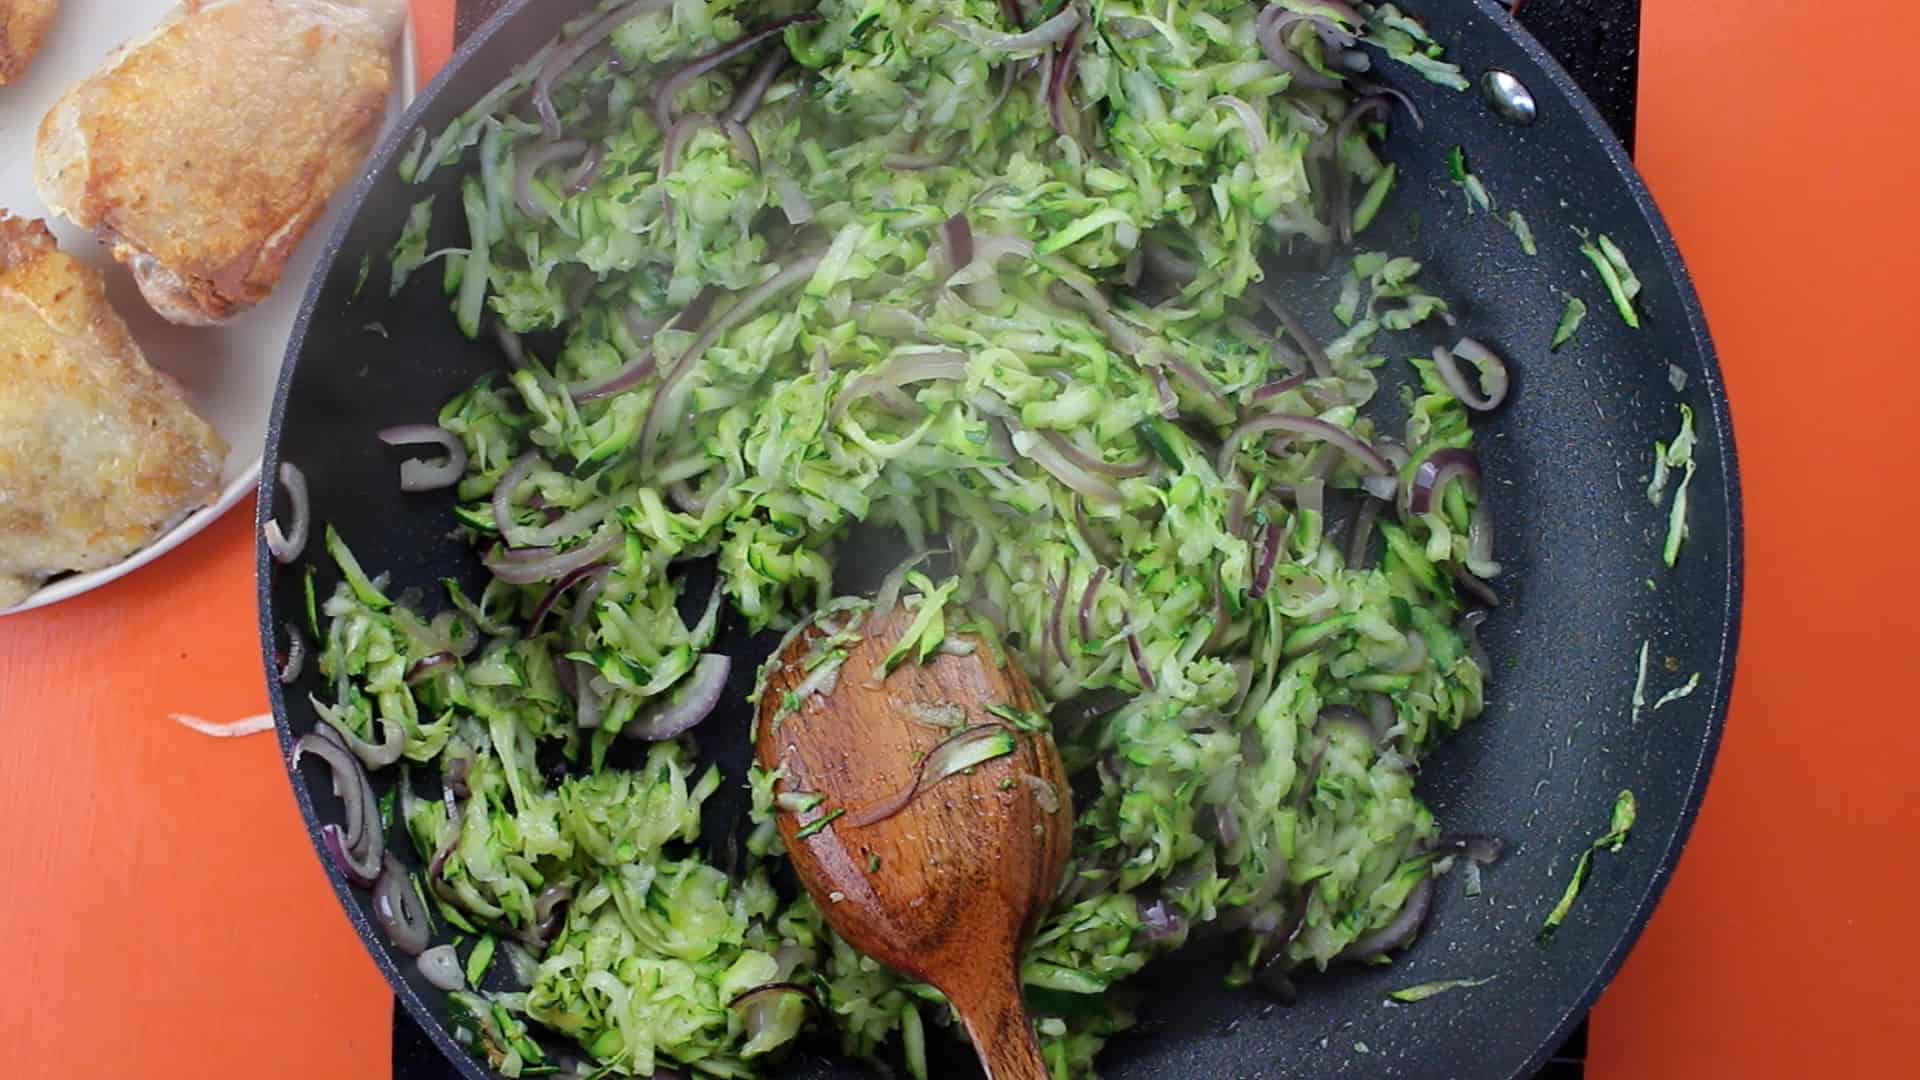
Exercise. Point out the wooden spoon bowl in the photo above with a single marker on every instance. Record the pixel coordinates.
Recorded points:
(946, 888)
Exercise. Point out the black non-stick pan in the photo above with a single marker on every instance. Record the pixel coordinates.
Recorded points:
(1568, 457)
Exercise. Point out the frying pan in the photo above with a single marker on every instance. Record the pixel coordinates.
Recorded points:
(1567, 459)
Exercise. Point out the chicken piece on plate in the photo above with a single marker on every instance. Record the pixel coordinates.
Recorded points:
(23, 25)
(99, 453)
(204, 151)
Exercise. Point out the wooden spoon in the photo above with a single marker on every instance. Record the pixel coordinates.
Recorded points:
(947, 888)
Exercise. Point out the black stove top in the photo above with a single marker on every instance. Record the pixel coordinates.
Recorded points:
(1599, 43)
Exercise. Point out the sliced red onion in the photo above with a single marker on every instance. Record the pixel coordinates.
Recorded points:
(1400, 931)
(1469, 627)
(1475, 586)
(987, 254)
(436, 866)
(287, 547)
(440, 966)
(692, 700)
(417, 474)
(1088, 599)
(1357, 115)
(530, 566)
(296, 661)
(1139, 656)
(1279, 386)
(956, 241)
(1274, 538)
(1342, 213)
(744, 147)
(1381, 89)
(1356, 448)
(535, 158)
(904, 369)
(1195, 380)
(747, 101)
(350, 784)
(672, 145)
(1250, 121)
(1309, 496)
(1056, 629)
(960, 751)
(549, 911)
(1479, 848)
(1169, 401)
(503, 491)
(631, 374)
(561, 62)
(1316, 356)
(362, 868)
(663, 111)
(1359, 545)
(397, 908)
(568, 581)
(642, 366)
(1059, 85)
(429, 666)
(1070, 450)
(750, 302)
(1044, 36)
(1439, 469)
(1236, 509)
(1221, 618)
(1057, 464)
(1493, 380)
(760, 993)
(758, 1004)
(1272, 28)
(587, 173)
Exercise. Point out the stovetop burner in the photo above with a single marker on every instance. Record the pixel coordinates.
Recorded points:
(1598, 41)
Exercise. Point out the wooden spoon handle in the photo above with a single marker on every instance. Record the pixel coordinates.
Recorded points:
(997, 1022)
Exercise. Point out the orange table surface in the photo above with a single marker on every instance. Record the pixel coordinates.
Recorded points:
(164, 916)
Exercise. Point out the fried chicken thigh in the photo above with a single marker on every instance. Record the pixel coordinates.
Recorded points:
(23, 25)
(98, 451)
(204, 151)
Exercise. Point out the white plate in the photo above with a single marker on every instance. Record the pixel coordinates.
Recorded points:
(228, 372)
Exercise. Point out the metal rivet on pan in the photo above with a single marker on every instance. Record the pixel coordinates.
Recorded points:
(1509, 97)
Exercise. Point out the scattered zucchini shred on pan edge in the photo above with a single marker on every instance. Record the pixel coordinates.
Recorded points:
(997, 287)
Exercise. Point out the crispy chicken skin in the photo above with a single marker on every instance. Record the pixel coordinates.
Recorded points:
(98, 451)
(23, 25)
(204, 151)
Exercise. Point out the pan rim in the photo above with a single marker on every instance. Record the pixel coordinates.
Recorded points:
(1719, 426)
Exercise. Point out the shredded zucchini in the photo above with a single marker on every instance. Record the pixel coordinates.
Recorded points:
(793, 352)
(1621, 823)
(1423, 991)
